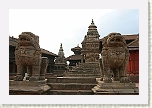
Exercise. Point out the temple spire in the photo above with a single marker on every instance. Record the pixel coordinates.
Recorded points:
(60, 58)
(61, 53)
(92, 22)
(61, 49)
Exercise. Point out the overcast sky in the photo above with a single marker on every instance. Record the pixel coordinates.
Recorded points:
(69, 26)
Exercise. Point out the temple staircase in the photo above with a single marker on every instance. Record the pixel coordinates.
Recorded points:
(89, 69)
(71, 85)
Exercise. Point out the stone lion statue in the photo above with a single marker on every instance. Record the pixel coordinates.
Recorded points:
(28, 58)
(115, 55)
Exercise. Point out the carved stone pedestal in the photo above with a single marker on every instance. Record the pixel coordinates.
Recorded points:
(28, 87)
(115, 88)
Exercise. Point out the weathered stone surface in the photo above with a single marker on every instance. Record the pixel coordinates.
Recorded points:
(70, 92)
(28, 87)
(90, 44)
(89, 65)
(71, 85)
(88, 69)
(28, 58)
(116, 84)
(115, 88)
(115, 55)
(114, 80)
(82, 80)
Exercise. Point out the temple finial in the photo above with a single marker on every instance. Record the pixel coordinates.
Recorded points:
(92, 22)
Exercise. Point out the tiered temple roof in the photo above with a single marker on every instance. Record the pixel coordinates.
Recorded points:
(77, 54)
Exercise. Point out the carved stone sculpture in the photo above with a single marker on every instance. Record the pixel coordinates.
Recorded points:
(28, 58)
(44, 65)
(115, 55)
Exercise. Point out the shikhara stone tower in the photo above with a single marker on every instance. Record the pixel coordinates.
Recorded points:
(90, 44)
(60, 63)
(61, 57)
(89, 65)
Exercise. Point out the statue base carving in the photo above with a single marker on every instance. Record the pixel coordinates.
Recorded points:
(115, 88)
(28, 87)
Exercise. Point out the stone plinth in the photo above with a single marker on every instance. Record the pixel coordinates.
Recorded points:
(28, 87)
(115, 88)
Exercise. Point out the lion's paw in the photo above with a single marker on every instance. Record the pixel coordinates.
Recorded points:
(18, 78)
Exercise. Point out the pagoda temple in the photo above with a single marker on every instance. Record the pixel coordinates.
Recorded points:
(76, 58)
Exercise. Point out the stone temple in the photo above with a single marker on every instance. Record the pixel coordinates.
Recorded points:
(88, 71)
(89, 65)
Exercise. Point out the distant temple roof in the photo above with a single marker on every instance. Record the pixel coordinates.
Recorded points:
(12, 41)
(77, 54)
(48, 52)
(76, 48)
(74, 57)
(131, 37)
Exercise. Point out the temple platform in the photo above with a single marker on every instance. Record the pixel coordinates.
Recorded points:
(115, 88)
(28, 87)
(71, 85)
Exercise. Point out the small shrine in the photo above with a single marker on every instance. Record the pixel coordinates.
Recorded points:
(76, 58)
(60, 63)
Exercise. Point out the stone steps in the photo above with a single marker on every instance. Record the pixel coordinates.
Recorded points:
(70, 92)
(82, 80)
(82, 75)
(71, 85)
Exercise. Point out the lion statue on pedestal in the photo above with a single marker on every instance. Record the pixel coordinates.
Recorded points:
(115, 56)
(28, 58)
